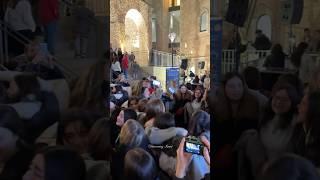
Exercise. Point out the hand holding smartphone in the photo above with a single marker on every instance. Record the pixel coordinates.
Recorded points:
(193, 145)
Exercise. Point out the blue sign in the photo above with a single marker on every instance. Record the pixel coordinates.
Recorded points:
(172, 79)
(216, 48)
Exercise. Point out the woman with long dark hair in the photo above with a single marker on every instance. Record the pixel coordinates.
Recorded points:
(274, 135)
(139, 165)
(198, 103)
(180, 98)
(235, 110)
(277, 58)
(199, 124)
(309, 113)
(279, 120)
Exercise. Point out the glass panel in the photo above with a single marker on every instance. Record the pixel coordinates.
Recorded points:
(203, 21)
(154, 30)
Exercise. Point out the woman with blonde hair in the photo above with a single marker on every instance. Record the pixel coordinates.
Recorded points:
(136, 87)
(89, 88)
(132, 135)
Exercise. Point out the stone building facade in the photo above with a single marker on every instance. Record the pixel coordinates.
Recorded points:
(158, 18)
(130, 27)
(192, 42)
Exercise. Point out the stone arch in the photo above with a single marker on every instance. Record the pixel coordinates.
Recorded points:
(118, 12)
(261, 10)
(136, 34)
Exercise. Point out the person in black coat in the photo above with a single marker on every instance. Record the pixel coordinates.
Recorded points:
(277, 58)
(262, 42)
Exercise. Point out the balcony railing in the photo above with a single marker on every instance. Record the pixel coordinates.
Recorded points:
(163, 59)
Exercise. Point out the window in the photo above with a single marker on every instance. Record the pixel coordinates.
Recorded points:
(204, 21)
(174, 3)
(154, 30)
(265, 25)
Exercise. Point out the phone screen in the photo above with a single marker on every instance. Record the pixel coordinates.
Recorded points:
(171, 90)
(193, 148)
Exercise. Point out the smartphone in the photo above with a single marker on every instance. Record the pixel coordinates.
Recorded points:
(156, 83)
(193, 145)
(171, 90)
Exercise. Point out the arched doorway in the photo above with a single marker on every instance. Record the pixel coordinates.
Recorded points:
(264, 24)
(136, 36)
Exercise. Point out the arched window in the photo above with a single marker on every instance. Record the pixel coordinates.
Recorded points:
(264, 24)
(204, 21)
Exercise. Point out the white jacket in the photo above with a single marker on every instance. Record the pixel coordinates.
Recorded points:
(116, 66)
(20, 18)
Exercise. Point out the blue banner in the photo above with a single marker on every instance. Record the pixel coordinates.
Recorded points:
(172, 79)
(216, 48)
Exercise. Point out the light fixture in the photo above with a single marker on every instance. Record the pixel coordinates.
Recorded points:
(172, 36)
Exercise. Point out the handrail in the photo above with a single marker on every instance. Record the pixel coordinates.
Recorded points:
(21, 36)
(15, 36)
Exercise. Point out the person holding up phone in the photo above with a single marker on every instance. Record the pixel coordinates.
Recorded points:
(184, 158)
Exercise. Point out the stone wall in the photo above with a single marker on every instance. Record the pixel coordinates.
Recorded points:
(195, 44)
(118, 11)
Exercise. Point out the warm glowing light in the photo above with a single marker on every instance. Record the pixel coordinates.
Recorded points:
(122, 46)
(193, 69)
(135, 15)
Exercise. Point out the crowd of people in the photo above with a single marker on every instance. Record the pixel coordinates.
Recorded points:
(55, 129)
(122, 63)
(158, 129)
(253, 130)
(46, 126)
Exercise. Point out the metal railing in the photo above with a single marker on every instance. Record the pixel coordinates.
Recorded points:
(228, 61)
(255, 58)
(163, 59)
(249, 58)
(8, 31)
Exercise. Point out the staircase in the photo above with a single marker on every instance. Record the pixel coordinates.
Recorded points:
(65, 43)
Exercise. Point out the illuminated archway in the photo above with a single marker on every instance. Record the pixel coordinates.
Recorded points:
(136, 36)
